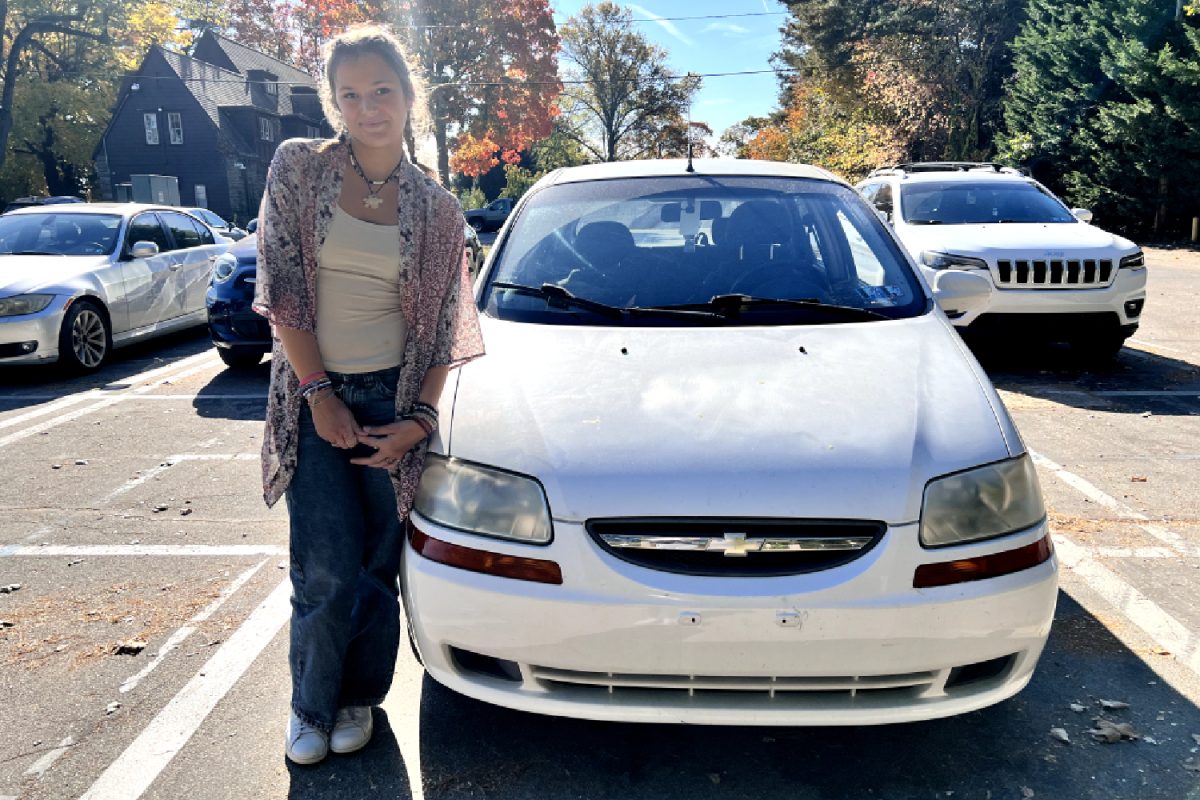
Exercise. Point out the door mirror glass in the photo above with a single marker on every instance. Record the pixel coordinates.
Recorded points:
(143, 249)
(1082, 214)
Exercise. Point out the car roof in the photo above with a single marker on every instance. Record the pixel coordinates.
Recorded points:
(956, 176)
(124, 209)
(678, 167)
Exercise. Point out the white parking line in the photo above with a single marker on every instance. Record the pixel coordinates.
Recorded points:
(197, 363)
(44, 410)
(205, 550)
(136, 769)
(183, 633)
(171, 461)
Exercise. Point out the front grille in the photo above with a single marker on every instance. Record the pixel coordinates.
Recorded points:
(733, 547)
(668, 687)
(1068, 274)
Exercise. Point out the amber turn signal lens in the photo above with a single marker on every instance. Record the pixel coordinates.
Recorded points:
(482, 561)
(990, 566)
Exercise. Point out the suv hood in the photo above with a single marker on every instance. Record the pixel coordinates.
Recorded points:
(832, 421)
(24, 274)
(1016, 240)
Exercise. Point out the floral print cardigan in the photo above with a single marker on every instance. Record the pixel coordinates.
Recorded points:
(303, 186)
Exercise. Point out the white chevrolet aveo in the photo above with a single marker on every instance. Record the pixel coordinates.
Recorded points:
(725, 462)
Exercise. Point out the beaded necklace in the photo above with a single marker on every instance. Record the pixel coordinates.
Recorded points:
(373, 200)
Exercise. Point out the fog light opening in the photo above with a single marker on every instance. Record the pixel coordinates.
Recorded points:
(1133, 308)
(979, 672)
(479, 664)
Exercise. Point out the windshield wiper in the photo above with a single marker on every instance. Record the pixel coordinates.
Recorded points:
(733, 305)
(29, 253)
(554, 293)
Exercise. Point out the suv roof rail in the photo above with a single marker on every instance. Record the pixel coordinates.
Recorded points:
(945, 166)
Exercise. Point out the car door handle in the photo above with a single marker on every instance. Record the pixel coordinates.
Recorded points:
(174, 266)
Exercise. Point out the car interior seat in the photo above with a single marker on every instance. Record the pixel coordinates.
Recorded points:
(599, 250)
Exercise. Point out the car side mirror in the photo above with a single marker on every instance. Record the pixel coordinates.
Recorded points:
(884, 215)
(1082, 214)
(143, 249)
(962, 294)
(252, 225)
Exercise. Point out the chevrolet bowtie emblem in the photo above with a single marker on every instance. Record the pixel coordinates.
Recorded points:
(735, 545)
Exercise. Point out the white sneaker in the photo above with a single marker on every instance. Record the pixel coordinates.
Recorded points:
(352, 730)
(305, 744)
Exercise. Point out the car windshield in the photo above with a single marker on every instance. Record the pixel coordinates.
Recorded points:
(59, 234)
(693, 249)
(967, 203)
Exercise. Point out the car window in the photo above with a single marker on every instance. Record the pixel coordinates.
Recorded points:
(59, 234)
(205, 233)
(980, 202)
(182, 229)
(868, 191)
(211, 218)
(883, 198)
(146, 228)
(653, 242)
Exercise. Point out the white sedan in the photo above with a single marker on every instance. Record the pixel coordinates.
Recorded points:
(78, 280)
(725, 462)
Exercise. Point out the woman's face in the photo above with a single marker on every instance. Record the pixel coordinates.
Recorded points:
(372, 101)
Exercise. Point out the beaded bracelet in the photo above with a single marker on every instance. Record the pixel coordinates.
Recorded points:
(316, 398)
(309, 389)
(314, 376)
(425, 424)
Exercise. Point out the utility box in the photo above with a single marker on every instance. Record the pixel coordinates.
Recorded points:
(161, 189)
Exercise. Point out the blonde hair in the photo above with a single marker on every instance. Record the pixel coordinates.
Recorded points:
(369, 39)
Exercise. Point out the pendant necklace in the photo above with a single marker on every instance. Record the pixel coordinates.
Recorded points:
(373, 200)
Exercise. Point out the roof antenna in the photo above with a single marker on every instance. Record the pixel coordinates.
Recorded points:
(690, 168)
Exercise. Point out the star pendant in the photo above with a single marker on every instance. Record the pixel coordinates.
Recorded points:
(371, 201)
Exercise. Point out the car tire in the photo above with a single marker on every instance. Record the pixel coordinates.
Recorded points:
(85, 339)
(237, 358)
(1099, 347)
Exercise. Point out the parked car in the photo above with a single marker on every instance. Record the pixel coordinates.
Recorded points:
(491, 217)
(27, 202)
(1054, 274)
(77, 281)
(241, 336)
(218, 223)
(750, 477)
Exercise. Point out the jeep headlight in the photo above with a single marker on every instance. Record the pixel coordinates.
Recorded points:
(224, 267)
(24, 304)
(937, 260)
(1134, 261)
(981, 503)
(483, 500)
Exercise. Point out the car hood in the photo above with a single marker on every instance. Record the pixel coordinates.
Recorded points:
(833, 421)
(1031, 240)
(24, 274)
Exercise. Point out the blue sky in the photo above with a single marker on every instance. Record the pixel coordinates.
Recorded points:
(712, 45)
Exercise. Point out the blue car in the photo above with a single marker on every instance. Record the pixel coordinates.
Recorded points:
(242, 336)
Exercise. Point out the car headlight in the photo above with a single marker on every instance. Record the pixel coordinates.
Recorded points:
(483, 500)
(1134, 261)
(24, 304)
(936, 260)
(224, 267)
(981, 503)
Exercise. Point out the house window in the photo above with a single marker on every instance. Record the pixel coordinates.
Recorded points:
(201, 195)
(314, 132)
(175, 123)
(271, 86)
(151, 123)
(266, 130)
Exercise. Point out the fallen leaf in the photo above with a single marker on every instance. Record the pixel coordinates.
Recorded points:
(81, 462)
(75, 562)
(161, 507)
(183, 512)
(715, 777)
(1061, 735)
(1078, 709)
(1026, 792)
(1113, 705)
(1111, 732)
(10, 588)
(112, 708)
(1196, 738)
(130, 648)
(1138, 479)
(1191, 765)
(1160, 651)
(6, 623)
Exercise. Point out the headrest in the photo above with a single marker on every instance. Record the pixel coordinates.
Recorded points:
(603, 242)
(758, 222)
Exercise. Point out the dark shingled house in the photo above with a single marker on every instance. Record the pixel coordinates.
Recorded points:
(212, 119)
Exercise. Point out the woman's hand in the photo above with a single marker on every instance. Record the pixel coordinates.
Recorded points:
(334, 422)
(391, 441)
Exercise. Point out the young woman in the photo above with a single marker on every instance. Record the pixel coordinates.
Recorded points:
(362, 273)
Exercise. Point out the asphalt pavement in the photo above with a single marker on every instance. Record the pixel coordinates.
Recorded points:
(144, 652)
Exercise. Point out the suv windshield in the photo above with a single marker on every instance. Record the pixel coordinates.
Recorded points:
(965, 203)
(673, 250)
(59, 234)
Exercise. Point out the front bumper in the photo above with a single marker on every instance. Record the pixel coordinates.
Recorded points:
(1128, 286)
(231, 320)
(41, 328)
(847, 646)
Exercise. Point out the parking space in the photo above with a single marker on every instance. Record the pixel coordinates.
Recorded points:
(130, 515)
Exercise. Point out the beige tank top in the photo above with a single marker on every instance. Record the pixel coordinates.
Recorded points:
(360, 327)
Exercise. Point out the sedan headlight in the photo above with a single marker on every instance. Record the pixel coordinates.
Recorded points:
(1134, 261)
(24, 304)
(981, 503)
(223, 268)
(936, 260)
(483, 500)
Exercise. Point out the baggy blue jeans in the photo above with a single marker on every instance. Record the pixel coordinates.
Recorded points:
(346, 546)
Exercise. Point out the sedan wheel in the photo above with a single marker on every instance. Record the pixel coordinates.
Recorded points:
(85, 339)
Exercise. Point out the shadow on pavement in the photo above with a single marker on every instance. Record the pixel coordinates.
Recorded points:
(376, 771)
(238, 394)
(1053, 372)
(50, 381)
(470, 749)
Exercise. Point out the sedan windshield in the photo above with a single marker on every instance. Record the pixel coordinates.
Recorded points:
(59, 234)
(672, 251)
(965, 203)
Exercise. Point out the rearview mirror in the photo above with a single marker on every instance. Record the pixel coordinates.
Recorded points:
(962, 295)
(143, 249)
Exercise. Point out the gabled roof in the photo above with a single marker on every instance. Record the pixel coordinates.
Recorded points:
(215, 87)
(245, 59)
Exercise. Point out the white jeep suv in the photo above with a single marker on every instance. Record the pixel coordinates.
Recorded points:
(1054, 274)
